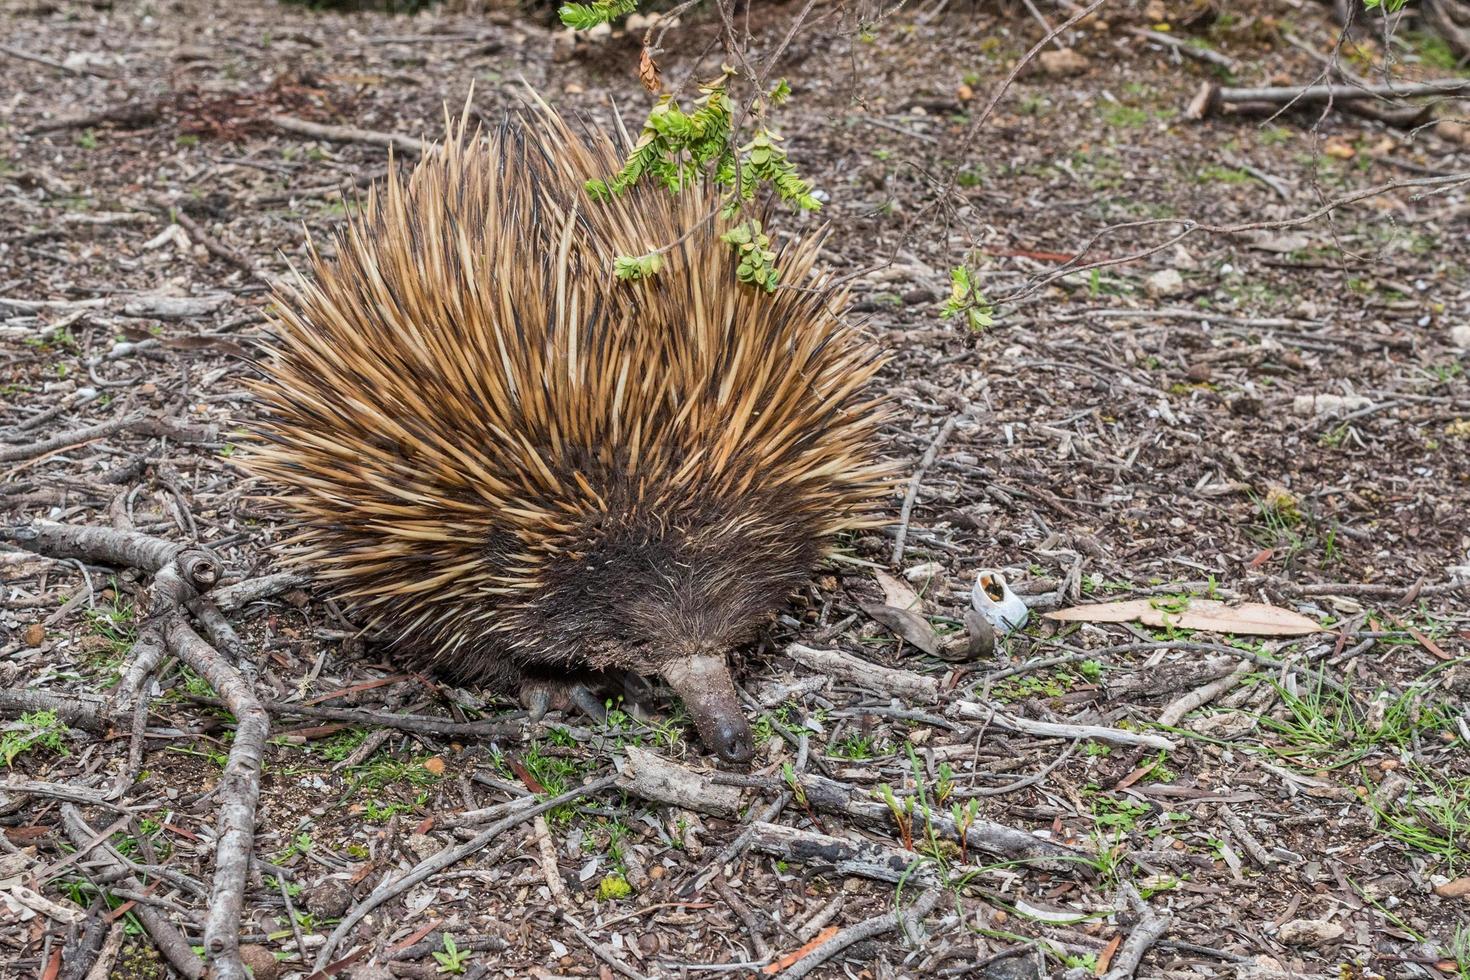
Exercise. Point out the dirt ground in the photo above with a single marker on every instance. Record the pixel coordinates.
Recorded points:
(1279, 415)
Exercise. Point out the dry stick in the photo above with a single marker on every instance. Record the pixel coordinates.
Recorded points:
(63, 440)
(105, 544)
(1171, 716)
(994, 717)
(653, 778)
(600, 951)
(1150, 929)
(228, 598)
(387, 890)
(1247, 839)
(1186, 49)
(211, 244)
(170, 942)
(81, 950)
(139, 423)
(41, 59)
(743, 912)
(550, 868)
(295, 924)
(348, 134)
(1024, 781)
(875, 926)
(111, 947)
(857, 858)
(420, 724)
(926, 461)
(238, 793)
(85, 711)
(842, 666)
(1339, 93)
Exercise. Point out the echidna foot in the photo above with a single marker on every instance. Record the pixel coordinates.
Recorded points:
(589, 692)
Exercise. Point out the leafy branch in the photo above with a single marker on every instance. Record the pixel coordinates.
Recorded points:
(585, 16)
(966, 299)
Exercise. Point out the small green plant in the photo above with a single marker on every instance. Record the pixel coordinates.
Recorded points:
(613, 887)
(1121, 116)
(87, 140)
(966, 299)
(585, 16)
(903, 814)
(36, 730)
(856, 747)
(944, 785)
(964, 818)
(1118, 814)
(634, 267)
(452, 959)
(1223, 175)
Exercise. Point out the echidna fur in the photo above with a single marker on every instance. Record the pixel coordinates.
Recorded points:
(522, 468)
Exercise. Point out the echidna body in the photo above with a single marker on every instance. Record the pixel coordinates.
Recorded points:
(533, 475)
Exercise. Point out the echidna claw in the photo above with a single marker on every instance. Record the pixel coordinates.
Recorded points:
(590, 704)
(537, 700)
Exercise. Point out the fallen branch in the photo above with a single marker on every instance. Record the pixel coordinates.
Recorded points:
(105, 544)
(1214, 96)
(1171, 716)
(348, 134)
(648, 776)
(138, 424)
(994, 717)
(421, 724)
(1185, 48)
(170, 942)
(876, 926)
(855, 858)
(75, 710)
(212, 245)
(41, 59)
(238, 794)
(1151, 927)
(855, 670)
(228, 598)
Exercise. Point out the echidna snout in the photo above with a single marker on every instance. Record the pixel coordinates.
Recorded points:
(703, 682)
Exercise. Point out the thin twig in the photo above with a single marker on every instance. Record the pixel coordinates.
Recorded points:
(925, 462)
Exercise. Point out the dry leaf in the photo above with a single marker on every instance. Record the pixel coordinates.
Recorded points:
(800, 954)
(1250, 618)
(1459, 888)
(648, 72)
(910, 626)
(898, 594)
(1105, 958)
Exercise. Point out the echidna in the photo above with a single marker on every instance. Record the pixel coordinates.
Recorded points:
(532, 475)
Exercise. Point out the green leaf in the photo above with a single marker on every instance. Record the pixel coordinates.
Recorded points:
(634, 267)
